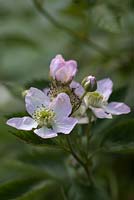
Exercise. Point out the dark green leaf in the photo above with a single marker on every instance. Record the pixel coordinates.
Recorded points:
(31, 137)
(15, 188)
(119, 94)
(40, 84)
(119, 138)
(45, 190)
(83, 192)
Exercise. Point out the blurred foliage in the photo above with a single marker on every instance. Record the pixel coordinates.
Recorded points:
(99, 35)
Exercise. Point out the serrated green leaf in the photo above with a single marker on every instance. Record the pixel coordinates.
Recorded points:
(32, 138)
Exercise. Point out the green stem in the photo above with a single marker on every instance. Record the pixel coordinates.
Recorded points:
(91, 155)
(59, 25)
(83, 95)
(84, 165)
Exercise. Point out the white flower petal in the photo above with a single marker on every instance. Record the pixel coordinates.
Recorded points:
(117, 108)
(61, 106)
(83, 120)
(24, 123)
(104, 87)
(46, 91)
(100, 113)
(45, 132)
(35, 98)
(66, 125)
(81, 115)
(78, 89)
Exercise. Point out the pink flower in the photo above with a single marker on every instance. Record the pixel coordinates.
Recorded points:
(61, 70)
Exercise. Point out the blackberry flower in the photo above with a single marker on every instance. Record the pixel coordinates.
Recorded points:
(47, 118)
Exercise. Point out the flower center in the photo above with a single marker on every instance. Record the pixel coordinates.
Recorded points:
(57, 89)
(44, 116)
(95, 99)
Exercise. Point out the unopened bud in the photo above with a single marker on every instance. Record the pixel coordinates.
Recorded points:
(61, 70)
(89, 83)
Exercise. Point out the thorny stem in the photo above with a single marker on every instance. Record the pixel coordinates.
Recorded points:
(85, 40)
(84, 165)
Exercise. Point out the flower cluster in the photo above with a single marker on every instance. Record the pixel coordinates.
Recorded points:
(59, 108)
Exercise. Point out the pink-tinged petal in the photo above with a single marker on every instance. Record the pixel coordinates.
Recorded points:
(104, 87)
(116, 108)
(56, 64)
(67, 72)
(35, 98)
(71, 67)
(24, 123)
(100, 113)
(62, 70)
(78, 89)
(66, 125)
(61, 75)
(61, 106)
(45, 132)
(46, 91)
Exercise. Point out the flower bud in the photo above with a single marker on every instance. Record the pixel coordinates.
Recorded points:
(89, 83)
(61, 70)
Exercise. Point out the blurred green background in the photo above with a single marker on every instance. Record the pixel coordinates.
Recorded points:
(96, 33)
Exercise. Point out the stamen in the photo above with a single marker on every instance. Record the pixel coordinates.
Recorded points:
(44, 116)
(95, 99)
